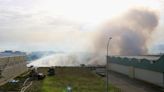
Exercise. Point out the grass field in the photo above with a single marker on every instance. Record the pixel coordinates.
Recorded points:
(80, 79)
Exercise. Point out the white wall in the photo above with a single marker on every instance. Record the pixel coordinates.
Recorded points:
(153, 77)
(149, 76)
(119, 68)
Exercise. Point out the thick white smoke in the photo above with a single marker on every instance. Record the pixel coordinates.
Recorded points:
(69, 59)
(56, 60)
(131, 33)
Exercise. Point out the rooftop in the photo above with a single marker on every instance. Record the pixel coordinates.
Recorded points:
(149, 62)
(9, 53)
(148, 57)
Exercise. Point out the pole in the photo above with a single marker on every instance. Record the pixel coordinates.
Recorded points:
(107, 84)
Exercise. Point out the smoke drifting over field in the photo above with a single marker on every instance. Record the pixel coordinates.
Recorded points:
(68, 59)
(131, 34)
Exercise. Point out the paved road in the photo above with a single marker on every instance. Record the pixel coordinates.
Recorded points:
(127, 84)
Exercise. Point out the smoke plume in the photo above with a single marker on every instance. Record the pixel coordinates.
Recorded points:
(130, 32)
(67, 59)
(130, 36)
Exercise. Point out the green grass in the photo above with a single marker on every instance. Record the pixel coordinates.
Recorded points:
(80, 79)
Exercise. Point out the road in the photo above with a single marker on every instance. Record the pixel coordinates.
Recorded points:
(127, 84)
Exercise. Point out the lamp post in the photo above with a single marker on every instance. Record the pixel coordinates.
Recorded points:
(107, 84)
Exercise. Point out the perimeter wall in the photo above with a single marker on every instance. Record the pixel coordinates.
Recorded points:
(145, 70)
(11, 67)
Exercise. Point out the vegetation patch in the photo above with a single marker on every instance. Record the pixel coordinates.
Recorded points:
(80, 80)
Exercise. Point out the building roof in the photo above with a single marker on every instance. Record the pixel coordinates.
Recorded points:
(148, 57)
(154, 63)
(3, 54)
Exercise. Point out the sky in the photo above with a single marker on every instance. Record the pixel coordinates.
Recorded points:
(66, 25)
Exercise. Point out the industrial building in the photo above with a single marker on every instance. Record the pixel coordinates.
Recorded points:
(148, 68)
(12, 64)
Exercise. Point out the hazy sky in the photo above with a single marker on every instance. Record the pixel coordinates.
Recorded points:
(65, 25)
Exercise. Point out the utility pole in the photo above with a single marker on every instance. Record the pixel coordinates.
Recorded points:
(107, 63)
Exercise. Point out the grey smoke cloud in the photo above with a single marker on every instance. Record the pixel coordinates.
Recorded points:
(130, 33)
(130, 36)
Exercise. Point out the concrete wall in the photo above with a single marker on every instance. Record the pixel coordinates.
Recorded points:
(11, 67)
(120, 68)
(153, 77)
(149, 76)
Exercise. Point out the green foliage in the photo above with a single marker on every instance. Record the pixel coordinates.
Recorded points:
(80, 79)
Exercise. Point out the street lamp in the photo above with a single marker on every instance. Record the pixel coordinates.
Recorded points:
(107, 84)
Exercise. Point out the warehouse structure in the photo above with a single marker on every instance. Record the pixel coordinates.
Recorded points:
(11, 65)
(148, 68)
